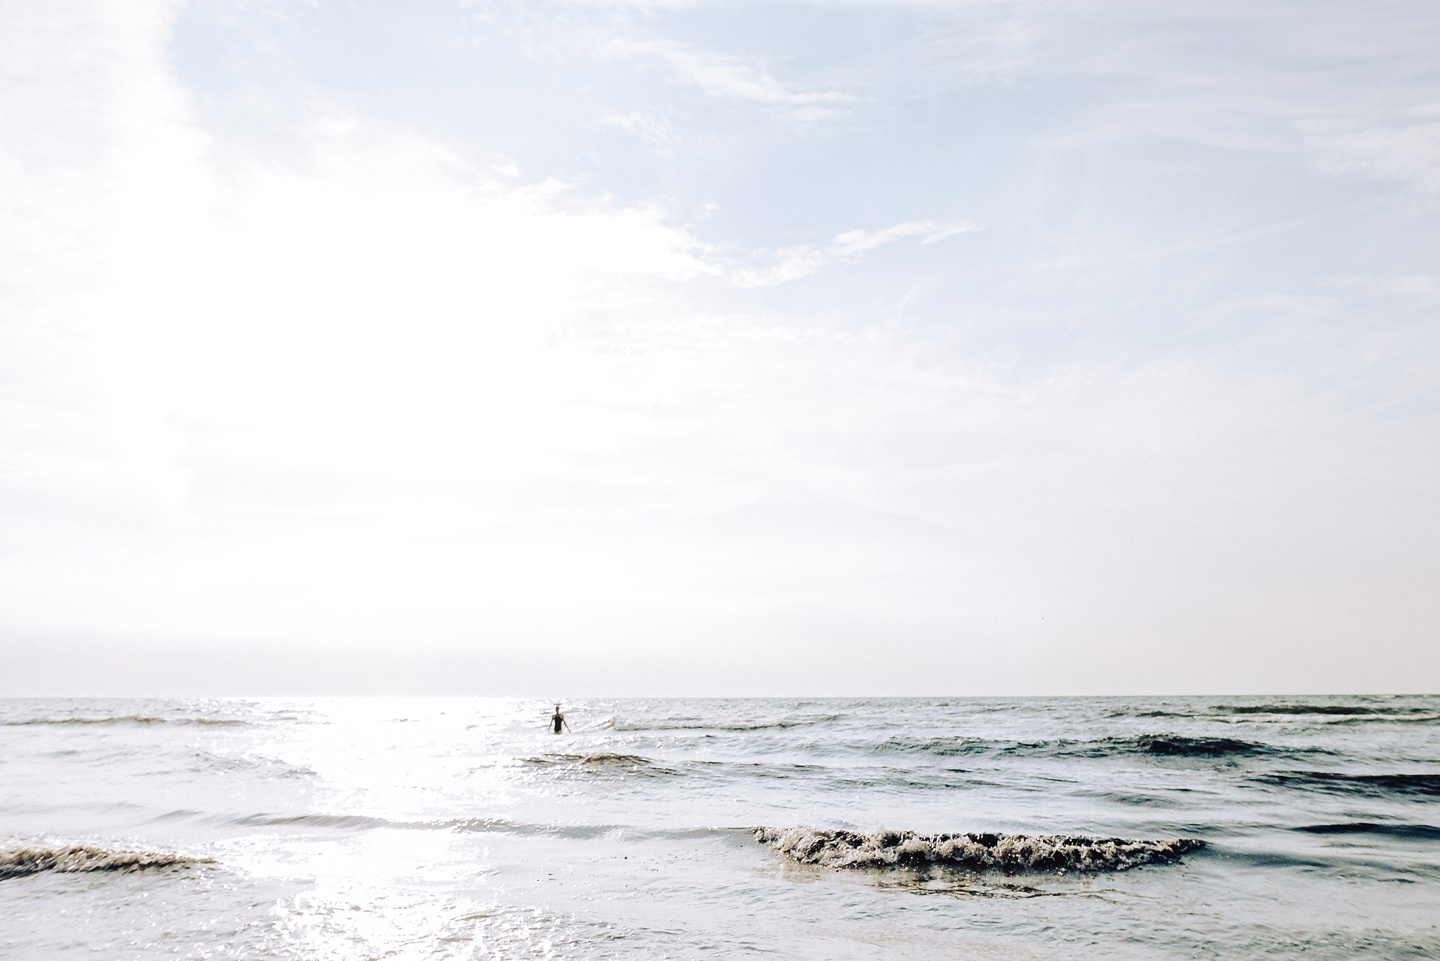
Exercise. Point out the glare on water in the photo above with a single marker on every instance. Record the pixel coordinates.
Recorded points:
(447, 829)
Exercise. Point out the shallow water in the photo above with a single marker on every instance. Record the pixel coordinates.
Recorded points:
(438, 829)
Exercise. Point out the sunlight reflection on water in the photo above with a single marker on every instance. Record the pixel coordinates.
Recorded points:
(452, 829)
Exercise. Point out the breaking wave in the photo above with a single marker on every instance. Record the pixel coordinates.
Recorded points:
(20, 860)
(602, 758)
(976, 852)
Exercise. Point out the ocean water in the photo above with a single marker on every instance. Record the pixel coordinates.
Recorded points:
(302, 830)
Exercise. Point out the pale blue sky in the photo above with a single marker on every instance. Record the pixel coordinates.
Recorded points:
(1027, 347)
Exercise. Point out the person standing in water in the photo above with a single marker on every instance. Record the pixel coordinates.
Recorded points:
(557, 720)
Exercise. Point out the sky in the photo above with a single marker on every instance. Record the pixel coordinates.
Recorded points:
(570, 347)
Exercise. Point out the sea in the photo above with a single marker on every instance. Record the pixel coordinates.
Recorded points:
(1028, 828)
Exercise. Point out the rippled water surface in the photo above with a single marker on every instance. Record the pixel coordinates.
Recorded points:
(985, 828)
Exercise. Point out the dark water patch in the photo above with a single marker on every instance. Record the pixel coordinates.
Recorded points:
(1355, 863)
(1010, 853)
(1175, 745)
(1272, 859)
(954, 884)
(1321, 710)
(1408, 832)
(1370, 785)
(1130, 799)
(760, 769)
(1388, 719)
(1164, 745)
(20, 860)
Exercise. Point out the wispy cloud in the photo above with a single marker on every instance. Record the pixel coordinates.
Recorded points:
(731, 78)
(1407, 150)
(792, 263)
(650, 128)
(796, 263)
(853, 242)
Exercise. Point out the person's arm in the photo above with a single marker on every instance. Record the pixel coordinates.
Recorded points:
(566, 723)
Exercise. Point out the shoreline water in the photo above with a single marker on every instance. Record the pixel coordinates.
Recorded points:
(453, 828)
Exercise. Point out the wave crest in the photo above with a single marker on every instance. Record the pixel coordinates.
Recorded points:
(602, 764)
(141, 719)
(18, 861)
(602, 757)
(977, 852)
(700, 724)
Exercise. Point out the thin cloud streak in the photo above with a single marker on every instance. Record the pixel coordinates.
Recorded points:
(797, 263)
(731, 78)
(853, 242)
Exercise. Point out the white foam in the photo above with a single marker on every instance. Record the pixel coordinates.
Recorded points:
(20, 859)
(1005, 852)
